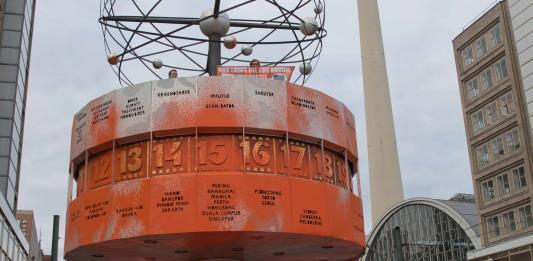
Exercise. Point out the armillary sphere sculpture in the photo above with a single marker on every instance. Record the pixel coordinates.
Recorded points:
(242, 164)
(161, 34)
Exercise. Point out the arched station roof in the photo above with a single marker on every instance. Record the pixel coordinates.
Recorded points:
(463, 212)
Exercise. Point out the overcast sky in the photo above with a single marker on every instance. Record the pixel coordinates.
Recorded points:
(69, 68)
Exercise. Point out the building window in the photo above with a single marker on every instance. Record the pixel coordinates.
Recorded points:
(481, 47)
(473, 88)
(519, 176)
(494, 226)
(482, 155)
(468, 56)
(486, 79)
(513, 141)
(488, 190)
(501, 69)
(492, 114)
(477, 121)
(495, 36)
(526, 219)
(503, 184)
(509, 224)
(506, 105)
(497, 148)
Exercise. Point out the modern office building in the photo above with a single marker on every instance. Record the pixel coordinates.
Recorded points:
(26, 221)
(495, 68)
(17, 18)
(15, 52)
(430, 229)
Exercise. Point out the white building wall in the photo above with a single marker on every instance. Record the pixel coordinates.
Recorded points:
(521, 12)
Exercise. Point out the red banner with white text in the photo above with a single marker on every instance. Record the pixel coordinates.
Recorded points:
(282, 73)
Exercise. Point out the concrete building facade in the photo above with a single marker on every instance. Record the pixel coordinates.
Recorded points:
(498, 130)
(26, 221)
(520, 14)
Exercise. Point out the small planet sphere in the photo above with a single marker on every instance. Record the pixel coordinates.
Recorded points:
(230, 42)
(247, 50)
(157, 63)
(319, 8)
(113, 59)
(309, 26)
(306, 68)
